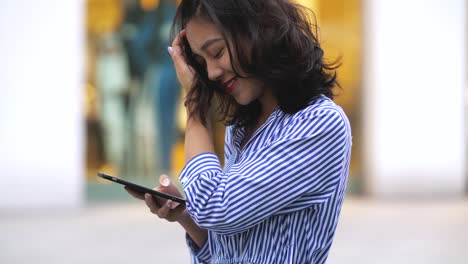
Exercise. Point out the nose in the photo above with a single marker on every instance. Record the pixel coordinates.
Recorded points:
(214, 71)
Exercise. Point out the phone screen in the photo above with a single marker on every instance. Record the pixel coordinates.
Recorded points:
(140, 188)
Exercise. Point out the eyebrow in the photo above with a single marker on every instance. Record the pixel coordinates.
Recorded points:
(209, 42)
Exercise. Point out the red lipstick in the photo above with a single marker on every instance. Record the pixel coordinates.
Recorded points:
(230, 85)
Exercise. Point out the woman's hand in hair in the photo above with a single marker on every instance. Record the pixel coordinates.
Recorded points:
(185, 73)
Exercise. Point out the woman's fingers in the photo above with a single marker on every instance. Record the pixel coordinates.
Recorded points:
(170, 211)
(177, 42)
(176, 50)
(177, 211)
(151, 203)
(135, 194)
(166, 209)
(184, 72)
(166, 186)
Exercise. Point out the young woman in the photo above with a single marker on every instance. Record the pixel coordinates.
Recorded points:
(287, 149)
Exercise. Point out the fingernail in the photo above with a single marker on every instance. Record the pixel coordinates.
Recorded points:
(165, 181)
(170, 50)
(169, 204)
(147, 196)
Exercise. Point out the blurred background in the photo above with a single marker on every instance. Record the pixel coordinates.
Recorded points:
(88, 86)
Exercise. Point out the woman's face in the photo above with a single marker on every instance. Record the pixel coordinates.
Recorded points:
(210, 49)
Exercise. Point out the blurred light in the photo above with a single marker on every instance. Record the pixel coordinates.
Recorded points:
(149, 5)
(103, 16)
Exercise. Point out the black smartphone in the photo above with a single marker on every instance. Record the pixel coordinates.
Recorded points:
(141, 189)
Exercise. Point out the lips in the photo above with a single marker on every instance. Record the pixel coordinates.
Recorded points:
(229, 85)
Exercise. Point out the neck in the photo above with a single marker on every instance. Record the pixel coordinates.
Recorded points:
(269, 103)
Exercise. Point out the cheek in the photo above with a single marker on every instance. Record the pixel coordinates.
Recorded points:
(227, 63)
(233, 65)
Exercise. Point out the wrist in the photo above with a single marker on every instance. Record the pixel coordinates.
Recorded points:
(183, 218)
(195, 120)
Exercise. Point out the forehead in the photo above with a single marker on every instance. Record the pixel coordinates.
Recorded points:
(199, 31)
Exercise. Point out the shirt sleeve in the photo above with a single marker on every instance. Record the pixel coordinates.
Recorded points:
(305, 165)
(198, 255)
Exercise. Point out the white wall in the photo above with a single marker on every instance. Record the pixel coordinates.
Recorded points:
(414, 82)
(41, 120)
(466, 96)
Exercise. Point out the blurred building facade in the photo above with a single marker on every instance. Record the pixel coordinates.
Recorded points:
(103, 97)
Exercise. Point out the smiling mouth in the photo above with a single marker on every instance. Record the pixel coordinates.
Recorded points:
(230, 85)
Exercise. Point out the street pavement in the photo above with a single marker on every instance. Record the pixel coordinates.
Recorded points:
(370, 231)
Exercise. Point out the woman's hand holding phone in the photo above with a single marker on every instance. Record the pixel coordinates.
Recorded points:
(166, 209)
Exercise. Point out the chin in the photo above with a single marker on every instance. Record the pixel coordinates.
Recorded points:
(243, 101)
(245, 96)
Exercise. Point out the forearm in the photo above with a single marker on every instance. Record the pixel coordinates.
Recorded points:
(198, 234)
(198, 138)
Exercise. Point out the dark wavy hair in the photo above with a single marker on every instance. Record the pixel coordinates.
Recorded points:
(275, 42)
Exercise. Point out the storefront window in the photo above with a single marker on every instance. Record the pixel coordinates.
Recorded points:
(134, 126)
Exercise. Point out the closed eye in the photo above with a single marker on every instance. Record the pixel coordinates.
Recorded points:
(219, 54)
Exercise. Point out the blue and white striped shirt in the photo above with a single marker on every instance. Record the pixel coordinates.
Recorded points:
(279, 197)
